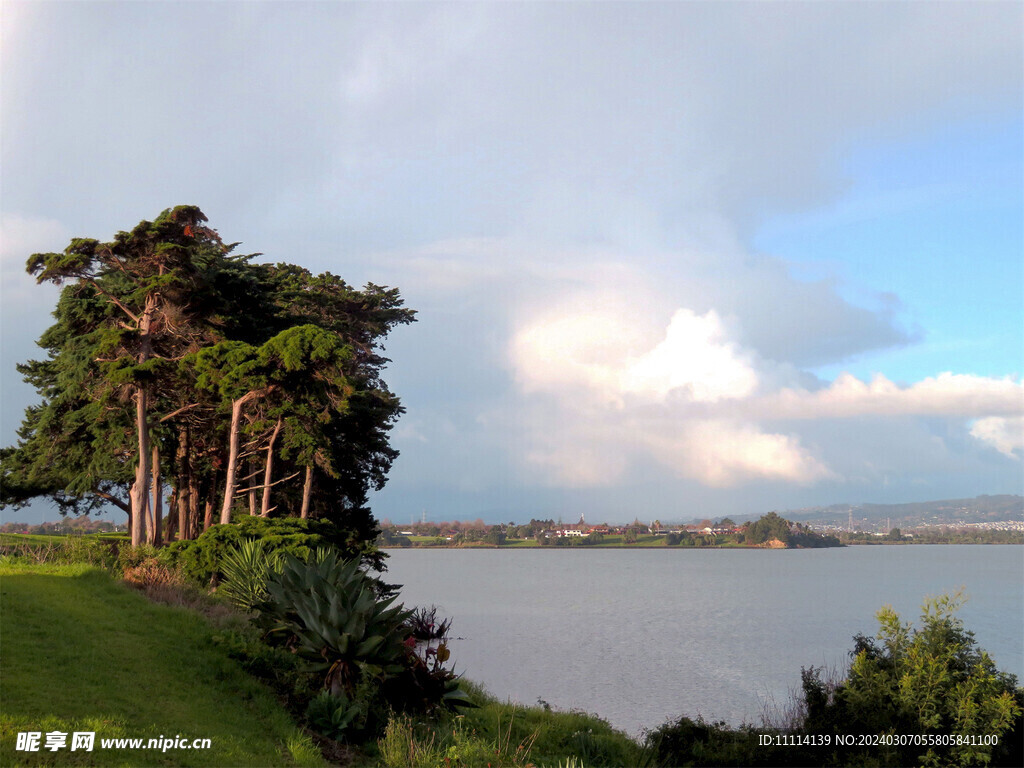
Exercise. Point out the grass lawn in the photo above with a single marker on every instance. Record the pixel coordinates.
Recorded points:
(41, 539)
(83, 652)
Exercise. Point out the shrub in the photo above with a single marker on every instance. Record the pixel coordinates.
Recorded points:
(329, 614)
(276, 666)
(926, 681)
(246, 568)
(89, 550)
(202, 559)
(423, 624)
(335, 716)
(403, 745)
(932, 679)
(151, 573)
(696, 742)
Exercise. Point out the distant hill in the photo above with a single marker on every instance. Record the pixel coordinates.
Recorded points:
(981, 509)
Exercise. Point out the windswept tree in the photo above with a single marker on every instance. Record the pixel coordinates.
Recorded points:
(168, 351)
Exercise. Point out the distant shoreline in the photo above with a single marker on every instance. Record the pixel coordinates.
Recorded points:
(535, 547)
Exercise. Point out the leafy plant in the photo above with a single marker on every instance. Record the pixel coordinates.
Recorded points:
(333, 715)
(928, 679)
(424, 624)
(203, 558)
(329, 614)
(405, 745)
(246, 568)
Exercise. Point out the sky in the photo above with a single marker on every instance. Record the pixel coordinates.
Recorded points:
(670, 260)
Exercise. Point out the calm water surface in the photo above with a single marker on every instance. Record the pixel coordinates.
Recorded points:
(640, 636)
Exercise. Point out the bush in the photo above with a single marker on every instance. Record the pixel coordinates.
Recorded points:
(404, 745)
(202, 559)
(150, 573)
(327, 611)
(423, 624)
(246, 568)
(926, 681)
(695, 742)
(89, 550)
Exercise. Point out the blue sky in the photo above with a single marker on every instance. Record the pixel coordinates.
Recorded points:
(670, 259)
(935, 220)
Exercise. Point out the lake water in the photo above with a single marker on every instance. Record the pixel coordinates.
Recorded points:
(642, 636)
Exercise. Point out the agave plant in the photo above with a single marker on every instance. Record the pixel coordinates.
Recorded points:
(246, 568)
(333, 716)
(326, 609)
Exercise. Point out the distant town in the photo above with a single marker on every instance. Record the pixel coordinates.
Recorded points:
(984, 519)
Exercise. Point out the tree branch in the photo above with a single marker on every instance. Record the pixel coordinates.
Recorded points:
(261, 485)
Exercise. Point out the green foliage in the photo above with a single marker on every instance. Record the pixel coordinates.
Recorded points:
(336, 716)
(406, 745)
(246, 568)
(772, 527)
(696, 742)
(167, 316)
(390, 538)
(549, 736)
(926, 681)
(495, 536)
(89, 550)
(769, 527)
(328, 612)
(203, 559)
(931, 679)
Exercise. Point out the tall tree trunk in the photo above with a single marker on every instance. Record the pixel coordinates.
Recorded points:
(307, 492)
(156, 535)
(229, 482)
(181, 495)
(208, 514)
(193, 504)
(252, 488)
(268, 471)
(139, 493)
(172, 514)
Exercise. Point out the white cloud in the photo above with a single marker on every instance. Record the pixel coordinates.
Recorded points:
(1005, 434)
(943, 395)
(604, 367)
(722, 453)
(692, 399)
(694, 357)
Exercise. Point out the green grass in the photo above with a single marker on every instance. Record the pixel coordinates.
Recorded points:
(41, 539)
(505, 734)
(82, 652)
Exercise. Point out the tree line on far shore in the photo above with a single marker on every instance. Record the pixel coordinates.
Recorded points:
(770, 529)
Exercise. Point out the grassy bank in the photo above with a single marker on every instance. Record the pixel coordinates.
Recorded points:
(83, 652)
(500, 733)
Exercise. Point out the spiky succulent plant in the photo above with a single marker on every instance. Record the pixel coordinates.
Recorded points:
(328, 612)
